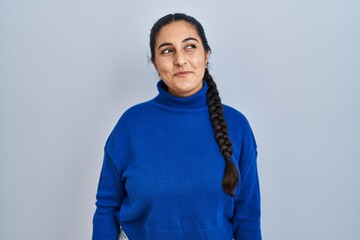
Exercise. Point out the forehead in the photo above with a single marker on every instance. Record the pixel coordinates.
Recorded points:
(176, 32)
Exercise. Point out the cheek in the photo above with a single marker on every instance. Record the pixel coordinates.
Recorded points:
(163, 66)
(199, 61)
(200, 64)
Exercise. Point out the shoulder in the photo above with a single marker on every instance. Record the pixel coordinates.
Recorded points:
(136, 110)
(239, 127)
(235, 117)
(133, 116)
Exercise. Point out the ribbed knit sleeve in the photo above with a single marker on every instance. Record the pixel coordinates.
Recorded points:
(246, 219)
(110, 193)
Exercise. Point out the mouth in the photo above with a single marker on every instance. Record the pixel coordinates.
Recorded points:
(182, 73)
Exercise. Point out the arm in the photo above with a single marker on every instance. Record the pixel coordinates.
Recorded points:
(109, 197)
(247, 202)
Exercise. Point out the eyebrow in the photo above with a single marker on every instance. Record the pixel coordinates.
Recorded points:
(185, 40)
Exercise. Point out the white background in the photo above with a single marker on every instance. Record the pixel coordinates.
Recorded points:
(68, 70)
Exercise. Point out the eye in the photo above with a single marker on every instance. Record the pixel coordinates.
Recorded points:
(166, 51)
(190, 46)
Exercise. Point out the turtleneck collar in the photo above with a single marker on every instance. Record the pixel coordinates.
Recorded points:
(198, 100)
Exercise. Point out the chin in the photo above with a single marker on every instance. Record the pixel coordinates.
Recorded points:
(185, 87)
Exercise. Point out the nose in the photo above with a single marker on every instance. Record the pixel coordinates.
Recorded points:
(180, 59)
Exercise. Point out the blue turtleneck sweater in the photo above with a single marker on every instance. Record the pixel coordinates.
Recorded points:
(162, 175)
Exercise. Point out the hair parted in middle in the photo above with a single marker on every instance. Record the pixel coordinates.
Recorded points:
(231, 174)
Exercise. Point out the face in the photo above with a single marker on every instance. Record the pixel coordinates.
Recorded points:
(180, 58)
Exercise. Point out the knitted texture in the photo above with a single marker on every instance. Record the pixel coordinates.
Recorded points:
(162, 174)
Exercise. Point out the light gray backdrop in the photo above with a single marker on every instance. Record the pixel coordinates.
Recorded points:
(69, 69)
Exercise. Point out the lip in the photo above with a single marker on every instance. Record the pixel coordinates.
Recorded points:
(182, 73)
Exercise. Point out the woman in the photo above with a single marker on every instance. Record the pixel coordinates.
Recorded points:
(182, 165)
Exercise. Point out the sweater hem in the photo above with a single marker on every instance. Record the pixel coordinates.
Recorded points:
(148, 233)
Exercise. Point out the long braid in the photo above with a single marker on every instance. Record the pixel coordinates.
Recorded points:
(231, 175)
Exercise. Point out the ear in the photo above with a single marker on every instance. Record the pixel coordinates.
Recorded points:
(206, 58)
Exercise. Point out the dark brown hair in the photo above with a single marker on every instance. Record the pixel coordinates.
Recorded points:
(231, 175)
